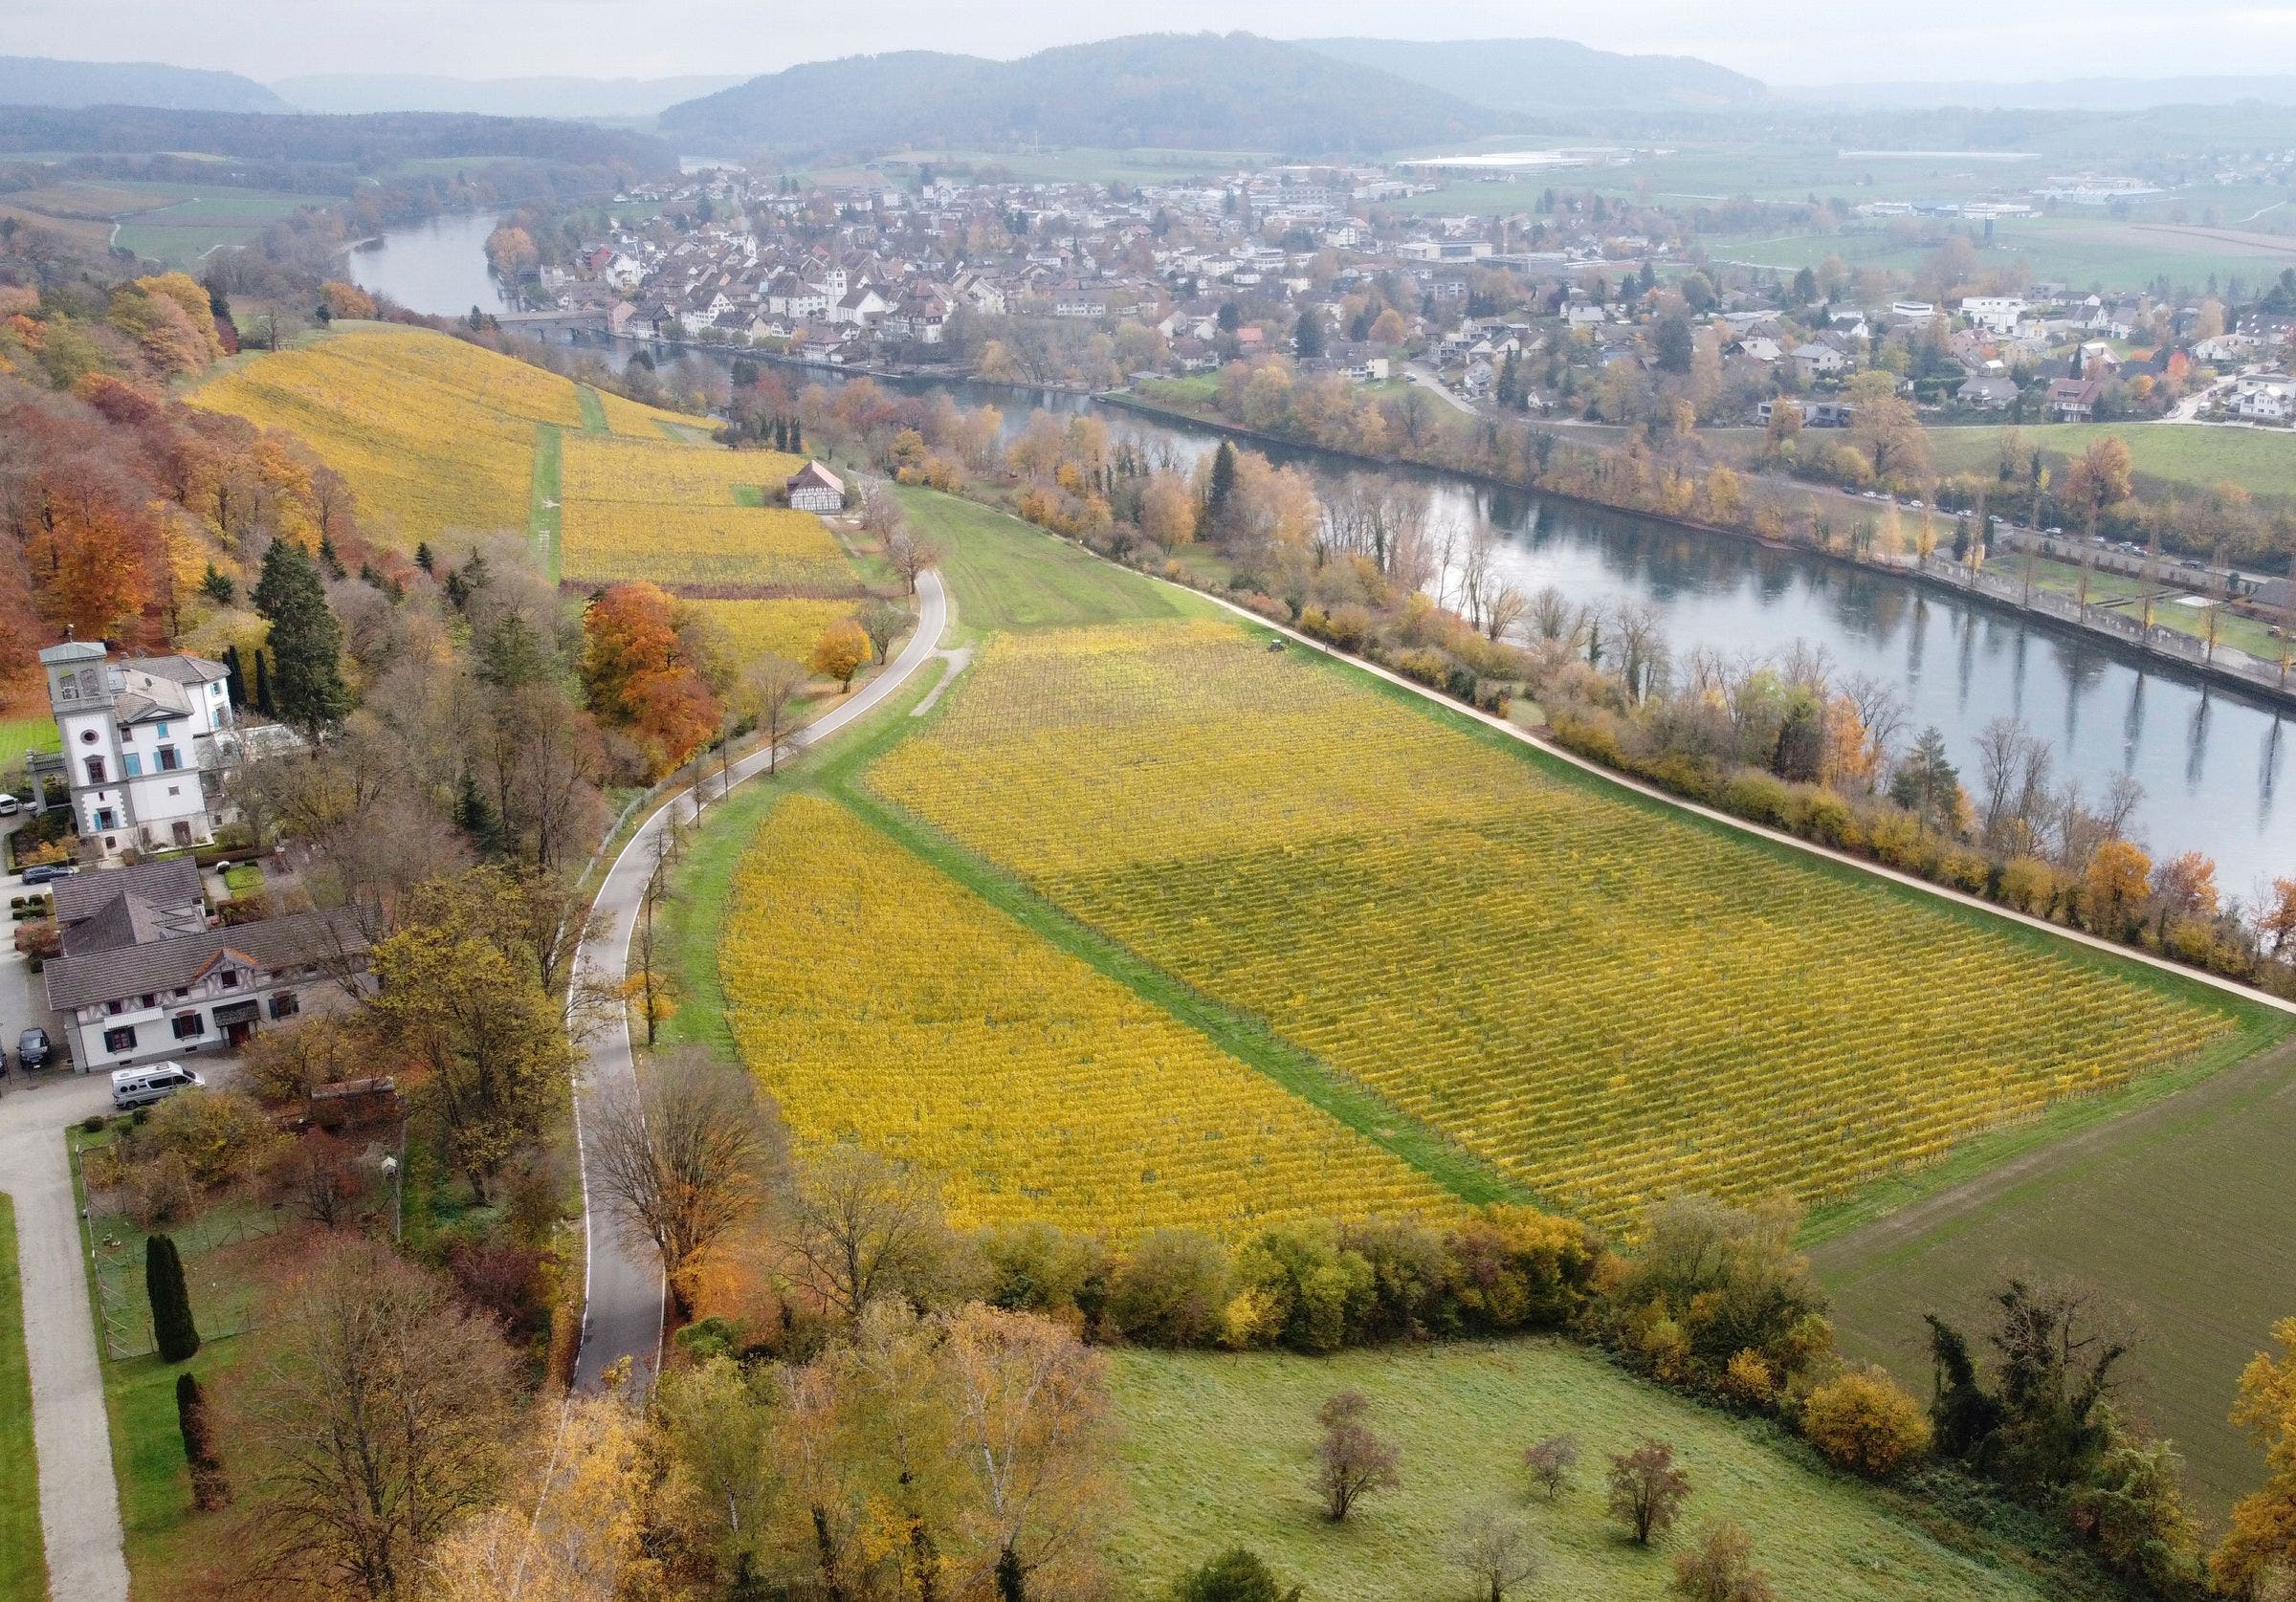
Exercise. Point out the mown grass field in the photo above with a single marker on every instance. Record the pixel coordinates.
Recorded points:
(1605, 1002)
(2261, 461)
(1218, 1451)
(2177, 1214)
(1009, 576)
(2090, 254)
(23, 1552)
(33, 731)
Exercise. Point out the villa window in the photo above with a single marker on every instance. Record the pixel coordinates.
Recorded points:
(119, 1040)
(96, 770)
(188, 1026)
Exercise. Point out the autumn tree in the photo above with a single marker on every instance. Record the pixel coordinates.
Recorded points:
(460, 999)
(2101, 477)
(1032, 1428)
(1351, 1461)
(305, 641)
(910, 555)
(378, 1408)
(1865, 1422)
(687, 1162)
(641, 671)
(2262, 1537)
(2117, 876)
(1647, 1490)
(840, 652)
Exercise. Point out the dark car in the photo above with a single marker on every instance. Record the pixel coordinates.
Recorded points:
(47, 871)
(32, 1049)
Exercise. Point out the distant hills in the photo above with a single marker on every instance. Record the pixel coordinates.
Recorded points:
(1540, 77)
(606, 97)
(1191, 91)
(40, 80)
(366, 143)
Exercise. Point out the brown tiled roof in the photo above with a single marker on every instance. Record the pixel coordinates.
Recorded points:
(273, 944)
(172, 882)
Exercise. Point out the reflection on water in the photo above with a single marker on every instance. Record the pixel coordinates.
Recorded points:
(436, 267)
(2208, 758)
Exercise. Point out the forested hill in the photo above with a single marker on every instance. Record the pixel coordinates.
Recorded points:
(1196, 91)
(366, 143)
(1543, 76)
(39, 81)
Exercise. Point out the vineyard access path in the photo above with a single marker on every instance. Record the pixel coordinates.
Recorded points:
(623, 1289)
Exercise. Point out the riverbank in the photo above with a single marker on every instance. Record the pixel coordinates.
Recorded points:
(2261, 680)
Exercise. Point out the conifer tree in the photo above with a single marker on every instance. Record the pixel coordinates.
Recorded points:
(263, 702)
(171, 1325)
(306, 642)
(234, 678)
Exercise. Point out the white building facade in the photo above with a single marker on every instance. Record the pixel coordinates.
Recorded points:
(140, 745)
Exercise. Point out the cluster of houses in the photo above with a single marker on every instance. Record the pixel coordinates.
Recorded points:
(879, 272)
(147, 970)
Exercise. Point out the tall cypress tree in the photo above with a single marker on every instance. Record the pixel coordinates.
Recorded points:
(234, 678)
(262, 685)
(209, 1488)
(306, 642)
(171, 1325)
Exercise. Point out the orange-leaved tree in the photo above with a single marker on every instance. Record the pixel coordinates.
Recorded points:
(637, 672)
(2262, 1538)
(841, 651)
(2117, 875)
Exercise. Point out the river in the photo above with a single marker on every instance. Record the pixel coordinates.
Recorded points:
(436, 267)
(2211, 759)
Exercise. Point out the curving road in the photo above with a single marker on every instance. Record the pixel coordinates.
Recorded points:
(622, 1302)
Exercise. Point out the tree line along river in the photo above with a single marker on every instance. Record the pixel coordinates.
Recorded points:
(2211, 759)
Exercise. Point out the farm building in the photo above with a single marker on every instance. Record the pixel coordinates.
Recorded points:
(816, 489)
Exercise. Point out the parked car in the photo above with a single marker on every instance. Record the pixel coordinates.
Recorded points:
(154, 1082)
(48, 871)
(7, 806)
(33, 1048)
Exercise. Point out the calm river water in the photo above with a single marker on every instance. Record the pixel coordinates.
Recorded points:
(2211, 761)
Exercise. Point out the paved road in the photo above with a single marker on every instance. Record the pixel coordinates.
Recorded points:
(1426, 379)
(79, 1503)
(622, 1303)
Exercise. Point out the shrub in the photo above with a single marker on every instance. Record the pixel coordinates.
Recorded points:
(1748, 1380)
(1758, 797)
(1316, 1292)
(1429, 666)
(1171, 1289)
(1235, 1575)
(1038, 1268)
(1720, 1568)
(1865, 1422)
(220, 1135)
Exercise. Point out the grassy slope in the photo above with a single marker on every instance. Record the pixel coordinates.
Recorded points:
(543, 498)
(1007, 575)
(1219, 1450)
(2259, 460)
(23, 1554)
(2179, 1215)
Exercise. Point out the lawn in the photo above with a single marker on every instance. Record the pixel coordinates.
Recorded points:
(2178, 1214)
(37, 732)
(168, 1541)
(1217, 1451)
(1007, 575)
(2086, 253)
(23, 1555)
(243, 878)
(2193, 457)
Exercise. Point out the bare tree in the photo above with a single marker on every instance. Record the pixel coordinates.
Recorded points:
(856, 1227)
(909, 556)
(1351, 1462)
(1503, 608)
(379, 1408)
(768, 687)
(1551, 1464)
(1495, 1550)
(687, 1161)
(1647, 1490)
(881, 513)
(1882, 710)
(1551, 617)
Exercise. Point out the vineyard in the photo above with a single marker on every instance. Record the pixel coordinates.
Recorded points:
(689, 515)
(882, 1001)
(430, 433)
(756, 630)
(1606, 1000)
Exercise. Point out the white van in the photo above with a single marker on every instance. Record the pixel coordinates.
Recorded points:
(152, 1082)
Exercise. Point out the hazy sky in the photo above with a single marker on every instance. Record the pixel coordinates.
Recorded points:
(1990, 39)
